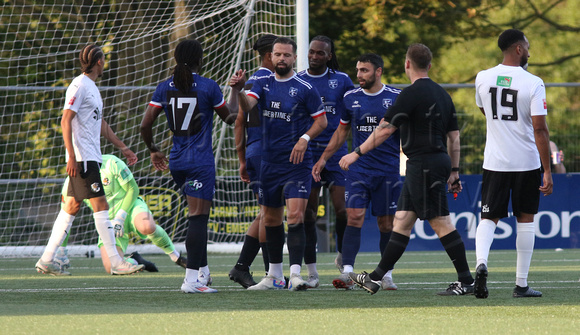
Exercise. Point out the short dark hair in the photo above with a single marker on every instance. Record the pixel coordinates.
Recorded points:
(372, 58)
(89, 56)
(285, 40)
(264, 44)
(420, 55)
(509, 37)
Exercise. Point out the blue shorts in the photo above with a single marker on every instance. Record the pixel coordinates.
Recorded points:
(279, 182)
(253, 168)
(332, 174)
(382, 191)
(197, 182)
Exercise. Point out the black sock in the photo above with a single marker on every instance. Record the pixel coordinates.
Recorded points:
(311, 240)
(383, 241)
(265, 257)
(455, 248)
(196, 241)
(275, 237)
(340, 227)
(393, 251)
(296, 243)
(249, 251)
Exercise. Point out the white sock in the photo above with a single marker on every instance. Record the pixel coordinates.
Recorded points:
(347, 269)
(204, 270)
(483, 240)
(107, 235)
(312, 271)
(295, 269)
(389, 274)
(276, 270)
(174, 255)
(191, 275)
(60, 230)
(525, 248)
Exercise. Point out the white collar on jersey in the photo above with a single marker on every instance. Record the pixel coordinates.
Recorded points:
(316, 76)
(376, 93)
(287, 79)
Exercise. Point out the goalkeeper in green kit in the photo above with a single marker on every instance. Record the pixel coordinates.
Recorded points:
(129, 216)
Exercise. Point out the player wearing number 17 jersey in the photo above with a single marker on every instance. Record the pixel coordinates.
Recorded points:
(189, 101)
(517, 147)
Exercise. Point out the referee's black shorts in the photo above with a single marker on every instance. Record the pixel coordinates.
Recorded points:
(87, 184)
(425, 187)
(496, 187)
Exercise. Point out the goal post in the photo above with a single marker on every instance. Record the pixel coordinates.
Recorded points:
(39, 59)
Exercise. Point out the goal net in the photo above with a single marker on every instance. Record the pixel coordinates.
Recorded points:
(39, 58)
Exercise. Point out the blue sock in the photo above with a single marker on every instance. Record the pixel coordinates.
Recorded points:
(350, 245)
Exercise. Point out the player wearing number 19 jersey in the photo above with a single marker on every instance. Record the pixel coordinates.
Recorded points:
(517, 146)
(189, 101)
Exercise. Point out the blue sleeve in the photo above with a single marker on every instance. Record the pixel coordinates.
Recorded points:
(257, 88)
(217, 98)
(314, 102)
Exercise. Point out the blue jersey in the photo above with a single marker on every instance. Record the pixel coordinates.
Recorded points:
(332, 85)
(190, 118)
(253, 129)
(364, 112)
(287, 108)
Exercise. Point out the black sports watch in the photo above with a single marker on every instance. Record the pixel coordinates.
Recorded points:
(357, 150)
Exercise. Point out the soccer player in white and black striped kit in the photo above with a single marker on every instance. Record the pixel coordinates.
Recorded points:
(82, 126)
(517, 147)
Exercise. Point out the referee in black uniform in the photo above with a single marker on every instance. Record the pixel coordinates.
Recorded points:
(426, 116)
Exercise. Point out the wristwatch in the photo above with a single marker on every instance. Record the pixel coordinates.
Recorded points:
(357, 150)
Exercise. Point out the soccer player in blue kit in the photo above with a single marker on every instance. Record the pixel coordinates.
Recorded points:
(426, 117)
(375, 177)
(288, 104)
(323, 73)
(248, 136)
(189, 101)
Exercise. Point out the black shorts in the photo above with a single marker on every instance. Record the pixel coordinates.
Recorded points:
(425, 188)
(496, 188)
(87, 184)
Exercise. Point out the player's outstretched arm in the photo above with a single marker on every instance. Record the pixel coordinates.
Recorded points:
(336, 141)
(240, 138)
(377, 137)
(110, 135)
(158, 158)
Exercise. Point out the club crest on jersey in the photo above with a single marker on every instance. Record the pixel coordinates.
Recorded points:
(293, 91)
(106, 181)
(333, 83)
(387, 103)
(95, 187)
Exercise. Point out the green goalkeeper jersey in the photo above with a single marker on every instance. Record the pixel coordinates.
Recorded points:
(115, 176)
